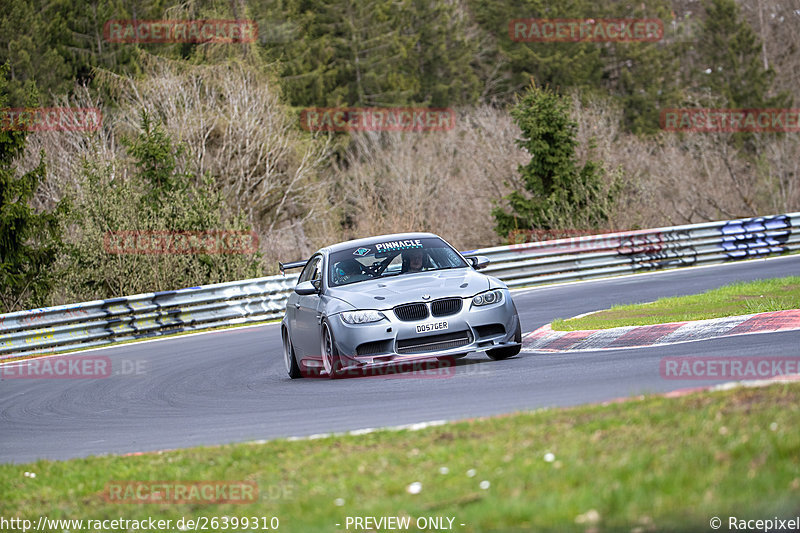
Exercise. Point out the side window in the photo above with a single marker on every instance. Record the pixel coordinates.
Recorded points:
(311, 270)
(317, 274)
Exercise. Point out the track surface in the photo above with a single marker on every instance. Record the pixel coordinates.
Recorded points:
(231, 386)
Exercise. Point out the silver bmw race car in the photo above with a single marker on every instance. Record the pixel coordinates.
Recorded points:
(390, 299)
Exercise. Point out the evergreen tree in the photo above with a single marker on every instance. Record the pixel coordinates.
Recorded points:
(29, 241)
(56, 44)
(85, 46)
(558, 194)
(372, 66)
(157, 197)
(557, 64)
(155, 159)
(443, 54)
(729, 65)
(372, 52)
(642, 76)
(31, 43)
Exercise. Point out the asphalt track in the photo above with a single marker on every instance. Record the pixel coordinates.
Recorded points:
(231, 386)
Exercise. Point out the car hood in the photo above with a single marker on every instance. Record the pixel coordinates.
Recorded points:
(385, 293)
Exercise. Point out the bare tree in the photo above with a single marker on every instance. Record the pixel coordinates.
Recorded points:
(235, 129)
(681, 178)
(776, 23)
(445, 182)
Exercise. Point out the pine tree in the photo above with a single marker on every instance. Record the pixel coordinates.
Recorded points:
(558, 193)
(557, 64)
(373, 53)
(29, 241)
(372, 65)
(345, 54)
(442, 54)
(27, 45)
(158, 196)
(729, 65)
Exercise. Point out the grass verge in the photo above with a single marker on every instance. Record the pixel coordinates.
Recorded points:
(736, 299)
(649, 464)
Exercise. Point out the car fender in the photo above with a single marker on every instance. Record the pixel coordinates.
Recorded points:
(334, 306)
(495, 283)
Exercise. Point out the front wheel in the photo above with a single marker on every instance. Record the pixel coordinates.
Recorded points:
(330, 355)
(499, 354)
(289, 359)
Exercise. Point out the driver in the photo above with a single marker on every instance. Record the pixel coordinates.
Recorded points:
(413, 260)
(347, 269)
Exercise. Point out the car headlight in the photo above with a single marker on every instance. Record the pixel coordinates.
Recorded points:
(489, 297)
(362, 317)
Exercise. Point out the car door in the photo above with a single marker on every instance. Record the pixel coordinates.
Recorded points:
(305, 333)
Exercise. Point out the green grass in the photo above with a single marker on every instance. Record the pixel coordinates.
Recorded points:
(651, 464)
(736, 299)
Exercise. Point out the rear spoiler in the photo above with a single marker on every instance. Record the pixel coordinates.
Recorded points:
(288, 266)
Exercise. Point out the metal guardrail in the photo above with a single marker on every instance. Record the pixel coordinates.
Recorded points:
(101, 322)
(609, 254)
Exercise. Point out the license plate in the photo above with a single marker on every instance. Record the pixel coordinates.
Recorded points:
(432, 326)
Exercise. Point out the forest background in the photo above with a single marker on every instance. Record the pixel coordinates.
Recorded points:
(207, 137)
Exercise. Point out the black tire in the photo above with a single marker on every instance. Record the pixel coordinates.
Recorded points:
(330, 354)
(290, 361)
(498, 354)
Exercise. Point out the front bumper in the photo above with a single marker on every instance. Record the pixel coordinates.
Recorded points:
(392, 340)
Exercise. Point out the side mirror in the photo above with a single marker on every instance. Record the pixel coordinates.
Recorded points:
(307, 287)
(478, 261)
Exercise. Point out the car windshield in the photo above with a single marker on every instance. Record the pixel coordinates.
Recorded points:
(391, 258)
